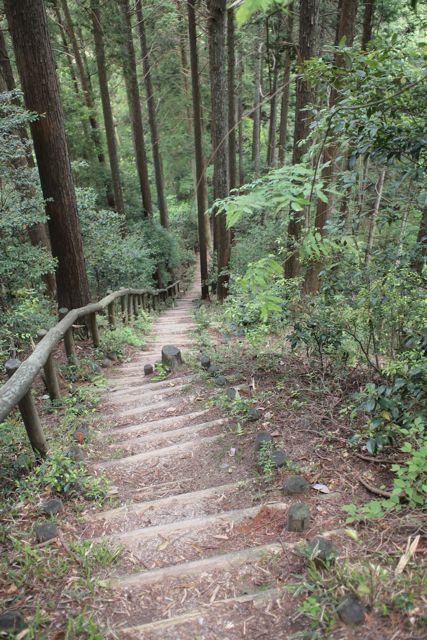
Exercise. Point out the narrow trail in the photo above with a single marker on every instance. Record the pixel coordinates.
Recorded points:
(191, 565)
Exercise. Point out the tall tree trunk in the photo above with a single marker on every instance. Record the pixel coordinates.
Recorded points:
(87, 95)
(37, 233)
(152, 119)
(231, 66)
(373, 218)
(308, 21)
(284, 108)
(271, 147)
(135, 112)
(34, 58)
(345, 28)
(106, 107)
(256, 131)
(240, 122)
(217, 65)
(367, 23)
(421, 245)
(198, 147)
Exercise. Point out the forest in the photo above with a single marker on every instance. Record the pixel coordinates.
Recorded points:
(266, 159)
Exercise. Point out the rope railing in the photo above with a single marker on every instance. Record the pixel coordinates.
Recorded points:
(17, 390)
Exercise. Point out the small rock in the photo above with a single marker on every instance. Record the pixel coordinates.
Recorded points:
(205, 361)
(321, 549)
(232, 393)
(279, 458)
(351, 610)
(261, 439)
(107, 363)
(295, 485)
(148, 369)
(75, 453)
(298, 517)
(212, 370)
(111, 355)
(254, 414)
(45, 532)
(52, 507)
(220, 381)
(12, 621)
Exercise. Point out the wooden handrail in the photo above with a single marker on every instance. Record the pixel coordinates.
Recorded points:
(14, 390)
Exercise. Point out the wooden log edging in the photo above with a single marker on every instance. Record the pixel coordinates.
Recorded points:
(19, 384)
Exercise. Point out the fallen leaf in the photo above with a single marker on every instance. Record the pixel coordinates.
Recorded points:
(164, 545)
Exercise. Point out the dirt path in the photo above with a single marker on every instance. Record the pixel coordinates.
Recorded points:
(191, 565)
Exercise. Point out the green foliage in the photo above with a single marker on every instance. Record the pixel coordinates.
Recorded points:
(266, 461)
(246, 9)
(65, 476)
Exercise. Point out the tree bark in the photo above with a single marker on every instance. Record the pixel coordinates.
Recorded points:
(38, 233)
(271, 148)
(308, 20)
(421, 244)
(256, 131)
(367, 23)
(34, 58)
(284, 108)
(135, 112)
(217, 65)
(231, 80)
(152, 119)
(240, 122)
(106, 107)
(345, 28)
(198, 147)
(373, 218)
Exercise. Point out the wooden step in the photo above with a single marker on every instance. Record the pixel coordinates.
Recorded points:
(157, 424)
(225, 561)
(129, 461)
(203, 611)
(171, 433)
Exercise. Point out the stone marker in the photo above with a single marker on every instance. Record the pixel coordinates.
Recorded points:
(295, 485)
(261, 439)
(111, 355)
(351, 610)
(205, 361)
(107, 363)
(278, 458)
(212, 370)
(45, 532)
(232, 393)
(321, 549)
(148, 369)
(75, 453)
(220, 381)
(52, 507)
(298, 517)
(12, 621)
(254, 414)
(171, 357)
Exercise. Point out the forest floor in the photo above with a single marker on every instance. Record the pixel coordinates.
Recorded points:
(194, 542)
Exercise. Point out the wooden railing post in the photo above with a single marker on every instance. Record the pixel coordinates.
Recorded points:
(93, 324)
(129, 307)
(135, 305)
(70, 348)
(123, 307)
(111, 316)
(50, 373)
(29, 414)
